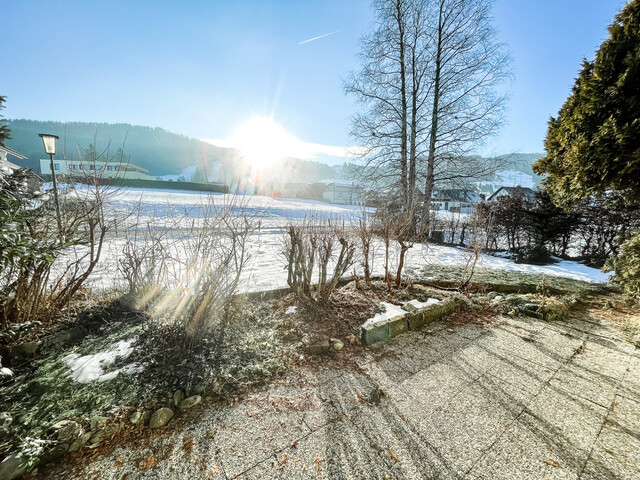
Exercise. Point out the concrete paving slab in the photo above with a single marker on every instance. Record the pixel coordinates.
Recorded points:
(566, 421)
(615, 456)
(521, 454)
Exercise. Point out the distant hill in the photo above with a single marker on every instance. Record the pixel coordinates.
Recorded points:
(168, 154)
(516, 171)
(161, 152)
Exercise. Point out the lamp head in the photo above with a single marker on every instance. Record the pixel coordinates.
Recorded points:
(49, 143)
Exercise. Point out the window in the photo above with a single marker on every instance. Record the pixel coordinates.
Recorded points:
(111, 168)
(56, 166)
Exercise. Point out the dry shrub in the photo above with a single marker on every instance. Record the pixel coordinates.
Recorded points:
(317, 247)
(187, 272)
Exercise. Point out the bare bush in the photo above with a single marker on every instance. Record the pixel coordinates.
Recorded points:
(366, 235)
(481, 232)
(321, 245)
(188, 274)
(396, 227)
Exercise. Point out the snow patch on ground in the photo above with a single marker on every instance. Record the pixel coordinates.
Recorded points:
(87, 368)
(266, 268)
(391, 311)
(291, 310)
(418, 304)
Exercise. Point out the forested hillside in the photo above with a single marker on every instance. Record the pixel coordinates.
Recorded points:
(158, 150)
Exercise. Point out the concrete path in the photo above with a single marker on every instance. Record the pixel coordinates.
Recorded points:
(521, 399)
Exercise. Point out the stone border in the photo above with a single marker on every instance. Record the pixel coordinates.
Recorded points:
(381, 332)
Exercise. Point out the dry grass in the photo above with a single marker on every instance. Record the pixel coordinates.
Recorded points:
(619, 312)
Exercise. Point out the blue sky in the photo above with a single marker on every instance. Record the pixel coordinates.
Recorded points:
(203, 68)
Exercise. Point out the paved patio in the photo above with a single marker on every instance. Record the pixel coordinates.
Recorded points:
(522, 399)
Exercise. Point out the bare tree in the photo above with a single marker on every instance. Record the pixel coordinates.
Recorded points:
(470, 66)
(392, 89)
(429, 89)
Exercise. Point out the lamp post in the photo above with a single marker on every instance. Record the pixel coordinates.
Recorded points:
(50, 148)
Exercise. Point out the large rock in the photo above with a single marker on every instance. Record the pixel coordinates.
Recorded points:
(160, 417)
(191, 401)
(68, 432)
(12, 466)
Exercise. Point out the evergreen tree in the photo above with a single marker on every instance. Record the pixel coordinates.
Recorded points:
(4, 130)
(593, 146)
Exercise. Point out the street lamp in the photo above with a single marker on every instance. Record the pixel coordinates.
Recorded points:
(50, 149)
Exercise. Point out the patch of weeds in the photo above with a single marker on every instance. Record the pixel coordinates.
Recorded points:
(234, 353)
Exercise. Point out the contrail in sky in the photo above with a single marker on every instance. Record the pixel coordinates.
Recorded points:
(316, 38)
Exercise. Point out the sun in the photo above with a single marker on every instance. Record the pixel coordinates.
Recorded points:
(262, 141)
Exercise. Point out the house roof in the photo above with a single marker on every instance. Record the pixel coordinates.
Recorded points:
(457, 195)
(9, 151)
(528, 194)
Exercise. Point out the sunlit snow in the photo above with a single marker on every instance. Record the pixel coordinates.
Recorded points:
(87, 368)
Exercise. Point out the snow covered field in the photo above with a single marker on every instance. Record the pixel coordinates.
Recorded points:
(266, 268)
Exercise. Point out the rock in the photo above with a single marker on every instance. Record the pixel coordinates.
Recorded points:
(97, 422)
(80, 442)
(138, 417)
(498, 298)
(190, 402)
(337, 345)
(320, 348)
(54, 453)
(69, 432)
(12, 466)
(178, 397)
(160, 417)
(492, 295)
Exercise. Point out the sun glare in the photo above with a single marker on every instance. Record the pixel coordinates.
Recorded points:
(262, 141)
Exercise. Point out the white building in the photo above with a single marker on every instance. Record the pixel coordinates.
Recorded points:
(34, 182)
(343, 193)
(79, 168)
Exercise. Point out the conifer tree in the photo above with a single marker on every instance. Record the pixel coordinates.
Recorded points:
(593, 145)
(4, 130)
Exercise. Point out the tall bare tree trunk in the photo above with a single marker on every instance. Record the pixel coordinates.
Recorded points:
(403, 98)
(431, 158)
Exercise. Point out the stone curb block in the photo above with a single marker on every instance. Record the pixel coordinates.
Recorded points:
(381, 332)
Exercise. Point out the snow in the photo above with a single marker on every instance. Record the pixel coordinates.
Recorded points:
(291, 310)
(87, 368)
(419, 305)
(162, 209)
(390, 311)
